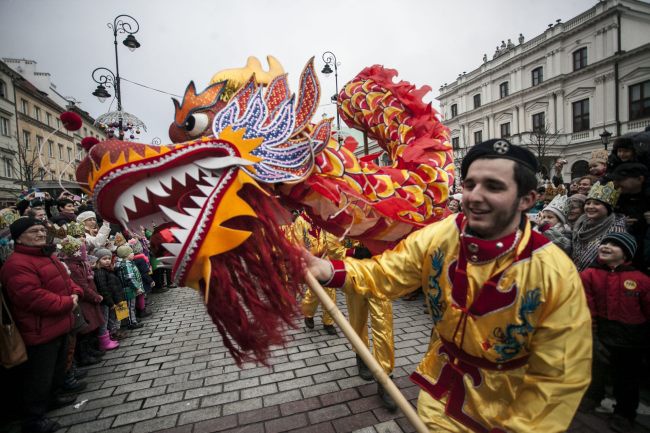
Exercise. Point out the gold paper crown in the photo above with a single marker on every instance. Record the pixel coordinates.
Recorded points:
(607, 193)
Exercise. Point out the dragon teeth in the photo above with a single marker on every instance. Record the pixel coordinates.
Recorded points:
(205, 189)
(186, 221)
(199, 200)
(180, 234)
(173, 248)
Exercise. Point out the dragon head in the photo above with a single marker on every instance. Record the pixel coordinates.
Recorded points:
(209, 195)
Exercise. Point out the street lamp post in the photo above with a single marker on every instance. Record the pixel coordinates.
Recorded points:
(105, 77)
(604, 137)
(330, 59)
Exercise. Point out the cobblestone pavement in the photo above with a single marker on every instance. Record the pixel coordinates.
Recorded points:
(174, 375)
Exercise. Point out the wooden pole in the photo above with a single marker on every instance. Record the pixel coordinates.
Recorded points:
(364, 353)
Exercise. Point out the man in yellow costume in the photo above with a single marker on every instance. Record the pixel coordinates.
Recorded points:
(321, 244)
(381, 322)
(511, 347)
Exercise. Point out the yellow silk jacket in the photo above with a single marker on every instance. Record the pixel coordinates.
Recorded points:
(511, 347)
(317, 241)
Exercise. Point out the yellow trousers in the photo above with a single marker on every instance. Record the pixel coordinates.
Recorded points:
(310, 304)
(432, 414)
(381, 321)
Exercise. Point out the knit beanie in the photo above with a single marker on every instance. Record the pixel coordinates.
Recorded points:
(83, 216)
(124, 251)
(102, 252)
(624, 240)
(580, 198)
(598, 156)
(119, 239)
(136, 245)
(19, 226)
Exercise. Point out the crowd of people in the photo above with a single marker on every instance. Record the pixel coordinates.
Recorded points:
(602, 222)
(75, 287)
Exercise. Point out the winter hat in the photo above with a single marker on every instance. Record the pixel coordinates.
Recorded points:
(581, 198)
(599, 156)
(19, 226)
(559, 206)
(136, 245)
(124, 251)
(119, 239)
(624, 240)
(102, 252)
(83, 216)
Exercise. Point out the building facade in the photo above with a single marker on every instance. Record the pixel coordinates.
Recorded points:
(562, 92)
(8, 137)
(44, 158)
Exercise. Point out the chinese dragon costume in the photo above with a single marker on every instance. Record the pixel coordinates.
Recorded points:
(244, 150)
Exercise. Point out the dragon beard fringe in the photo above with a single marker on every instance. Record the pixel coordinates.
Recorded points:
(254, 288)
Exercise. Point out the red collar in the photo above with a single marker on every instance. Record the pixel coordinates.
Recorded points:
(479, 250)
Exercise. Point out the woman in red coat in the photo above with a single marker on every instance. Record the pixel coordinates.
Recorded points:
(41, 297)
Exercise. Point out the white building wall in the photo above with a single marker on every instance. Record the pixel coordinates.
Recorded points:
(597, 30)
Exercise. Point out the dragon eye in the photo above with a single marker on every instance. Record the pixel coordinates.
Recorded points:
(196, 124)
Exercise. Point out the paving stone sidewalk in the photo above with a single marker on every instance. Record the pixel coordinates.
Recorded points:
(174, 375)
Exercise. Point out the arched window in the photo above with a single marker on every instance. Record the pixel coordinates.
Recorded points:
(579, 169)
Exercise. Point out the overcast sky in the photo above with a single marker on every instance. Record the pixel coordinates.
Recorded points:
(428, 42)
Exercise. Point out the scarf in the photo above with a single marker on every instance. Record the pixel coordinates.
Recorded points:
(587, 236)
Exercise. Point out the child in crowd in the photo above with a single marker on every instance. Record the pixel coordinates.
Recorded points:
(619, 299)
(131, 281)
(141, 261)
(598, 163)
(72, 252)
(553, 223)
(110, 288)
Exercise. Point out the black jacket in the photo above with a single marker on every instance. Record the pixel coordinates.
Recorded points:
(109, 286)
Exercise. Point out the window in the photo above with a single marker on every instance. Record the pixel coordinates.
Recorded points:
(3, 89)
(26, 139)
(4, 126)
(41, 173)
(454, 110)
(503, 89)
(69, 154)
(50, 148)
(505, 130)
(60, 151)
(8, 167)
(39, 142)
(37, 113)
(24, 106)
(539, 122)
(455, 143)
(477, 100)
(478, 137)
(640, 100)
(58, 123)
(579, 58)
(49, 119)
(581, 115)
(70, 178)
(537, 76)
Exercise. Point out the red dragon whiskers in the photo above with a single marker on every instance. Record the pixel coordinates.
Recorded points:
(254, 287)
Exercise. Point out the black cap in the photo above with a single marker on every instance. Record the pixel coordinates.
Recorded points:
(499, 148)
(21, 224)
(630, 169)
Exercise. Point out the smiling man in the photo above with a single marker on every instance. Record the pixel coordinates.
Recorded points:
(511, 351)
